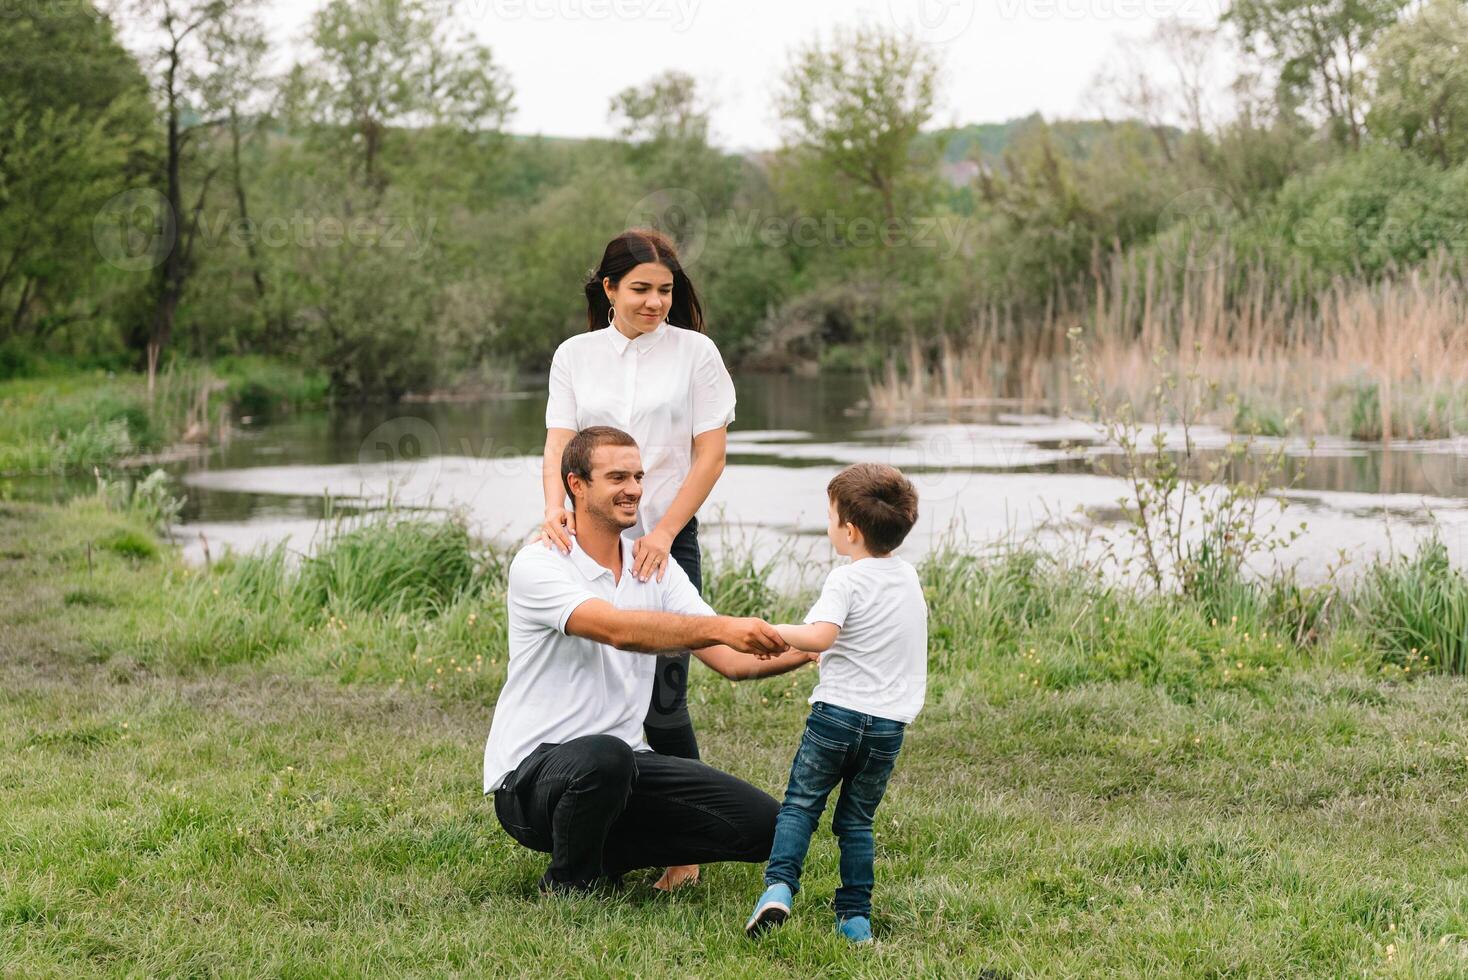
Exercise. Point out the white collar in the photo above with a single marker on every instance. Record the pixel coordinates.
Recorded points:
(620, 341)
(589, 566)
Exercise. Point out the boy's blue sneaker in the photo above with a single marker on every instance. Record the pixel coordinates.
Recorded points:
(858, 929)
(772, 909)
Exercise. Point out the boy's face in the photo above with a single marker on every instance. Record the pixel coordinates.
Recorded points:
(844, 537)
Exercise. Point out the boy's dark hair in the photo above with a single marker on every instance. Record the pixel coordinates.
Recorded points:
(576, 457)
(879, 500)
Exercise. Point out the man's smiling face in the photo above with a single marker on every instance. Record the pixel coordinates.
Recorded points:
(615, 488)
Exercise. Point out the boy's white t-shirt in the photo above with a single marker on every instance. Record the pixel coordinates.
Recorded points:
(879, 662)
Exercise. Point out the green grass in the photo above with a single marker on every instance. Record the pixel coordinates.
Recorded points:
(69, 422)
(241, 782)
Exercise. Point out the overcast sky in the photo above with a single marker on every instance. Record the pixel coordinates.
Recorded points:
(566, 58)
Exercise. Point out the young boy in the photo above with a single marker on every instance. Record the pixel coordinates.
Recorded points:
(870, 626)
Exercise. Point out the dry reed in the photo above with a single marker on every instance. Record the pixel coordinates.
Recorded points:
(1371, 360)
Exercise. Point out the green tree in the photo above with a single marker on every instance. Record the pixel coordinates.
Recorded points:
(858, 105)
(1421, 100)
(184, 79)
(381, 64)
(665, 124)
(856, 177)
(237, 47)
(73, 119)
(666, 109)
(1319, 48)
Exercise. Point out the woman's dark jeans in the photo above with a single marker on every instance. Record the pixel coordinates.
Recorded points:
(667, 727)
(857, 751)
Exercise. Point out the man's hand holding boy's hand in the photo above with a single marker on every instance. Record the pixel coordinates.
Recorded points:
(754, 635)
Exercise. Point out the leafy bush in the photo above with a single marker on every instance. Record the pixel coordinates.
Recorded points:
(147, 498)
(1364, 213)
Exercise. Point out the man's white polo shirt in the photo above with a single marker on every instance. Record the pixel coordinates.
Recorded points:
(560, 687)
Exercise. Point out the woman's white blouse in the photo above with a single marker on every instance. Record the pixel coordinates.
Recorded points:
(664, 388)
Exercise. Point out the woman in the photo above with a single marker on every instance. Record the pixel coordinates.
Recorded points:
(645, 366)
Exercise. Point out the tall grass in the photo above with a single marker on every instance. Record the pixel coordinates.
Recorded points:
(1371, 360)
(398, 598)
(415, 567)
(398, 579)
(1415, 610)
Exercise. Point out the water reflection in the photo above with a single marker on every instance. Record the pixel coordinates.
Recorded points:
(988, 472)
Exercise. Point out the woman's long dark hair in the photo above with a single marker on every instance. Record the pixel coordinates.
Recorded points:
(625, 252)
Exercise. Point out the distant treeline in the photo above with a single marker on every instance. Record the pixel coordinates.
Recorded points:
(367, 214)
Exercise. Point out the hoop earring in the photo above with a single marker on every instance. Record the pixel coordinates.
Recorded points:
(611, 315)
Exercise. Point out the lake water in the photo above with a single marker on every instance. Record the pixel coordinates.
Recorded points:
(990, 473)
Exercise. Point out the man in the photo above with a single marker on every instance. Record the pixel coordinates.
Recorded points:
(566, 759)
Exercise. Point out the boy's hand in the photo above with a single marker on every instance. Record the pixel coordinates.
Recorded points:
(810, 655)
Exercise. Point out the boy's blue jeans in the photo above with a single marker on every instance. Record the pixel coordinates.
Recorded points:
(856, 751)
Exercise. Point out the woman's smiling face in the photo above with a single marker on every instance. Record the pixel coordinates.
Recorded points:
(642, 299)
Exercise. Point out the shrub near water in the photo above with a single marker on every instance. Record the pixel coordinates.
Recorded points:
(410, 566)
(1415, 610)
(381, 594)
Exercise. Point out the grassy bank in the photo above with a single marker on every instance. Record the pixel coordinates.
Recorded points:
(257, 770)
(71, 421)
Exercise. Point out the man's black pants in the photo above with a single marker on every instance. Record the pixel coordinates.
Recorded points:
(598, 808)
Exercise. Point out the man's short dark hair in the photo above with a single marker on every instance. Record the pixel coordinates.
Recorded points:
(878, 500)
(576, 457)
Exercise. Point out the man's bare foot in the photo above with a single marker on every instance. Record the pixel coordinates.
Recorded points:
(676, 877)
